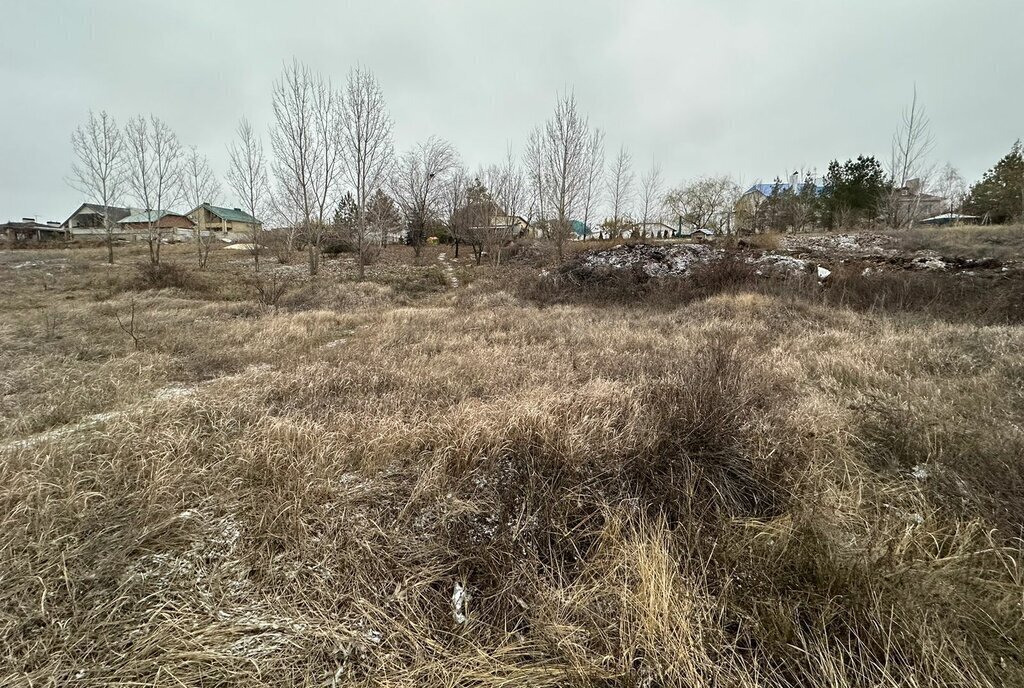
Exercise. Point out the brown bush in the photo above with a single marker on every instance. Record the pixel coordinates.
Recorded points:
(166, 275)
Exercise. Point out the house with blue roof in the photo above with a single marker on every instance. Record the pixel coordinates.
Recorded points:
(748, 204)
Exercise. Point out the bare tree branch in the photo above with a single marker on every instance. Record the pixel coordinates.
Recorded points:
(99, 170)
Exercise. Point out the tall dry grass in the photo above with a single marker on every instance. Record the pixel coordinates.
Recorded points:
(744, 489)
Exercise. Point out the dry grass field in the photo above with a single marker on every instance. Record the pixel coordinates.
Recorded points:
(405, 483)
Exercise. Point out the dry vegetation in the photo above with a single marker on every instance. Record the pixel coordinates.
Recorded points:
(400, 483)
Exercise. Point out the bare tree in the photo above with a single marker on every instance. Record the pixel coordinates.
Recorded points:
(912, 143)
(155, 168)
(365, 133)
(247, 175)
(558, 152)
(620, 189)
(306, 151)
(454, 191)
(507, 191)
(651, 194)
(595, 174)
(201, 186)
(705, 202)
(952, 187)
(417, 184)
(99, 171)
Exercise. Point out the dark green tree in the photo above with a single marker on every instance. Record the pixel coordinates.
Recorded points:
(999, 196)
(854, 191)
(346, 212)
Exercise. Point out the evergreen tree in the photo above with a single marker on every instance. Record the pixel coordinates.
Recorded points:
(999, 196)
(382, 215)
(854, 191)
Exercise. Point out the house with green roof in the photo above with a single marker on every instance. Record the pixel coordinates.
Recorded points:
(211, 218)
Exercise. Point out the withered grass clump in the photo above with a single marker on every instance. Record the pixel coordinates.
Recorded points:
(742, 490)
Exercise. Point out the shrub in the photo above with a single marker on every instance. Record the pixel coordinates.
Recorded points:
(166, 275)
(270, 288)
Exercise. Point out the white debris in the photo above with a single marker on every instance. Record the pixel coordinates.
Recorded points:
(920, 472)
(786, 264)
(928, 263)
(459, 603)
(823, 273)
(655, 261)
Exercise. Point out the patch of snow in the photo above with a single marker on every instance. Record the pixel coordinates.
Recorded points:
(459, 603)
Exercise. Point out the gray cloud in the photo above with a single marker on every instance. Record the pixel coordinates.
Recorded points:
(748, 88)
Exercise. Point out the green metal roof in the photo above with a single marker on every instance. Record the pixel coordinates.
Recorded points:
(231, 214)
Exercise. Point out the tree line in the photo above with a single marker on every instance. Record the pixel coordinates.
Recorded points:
(330, 178)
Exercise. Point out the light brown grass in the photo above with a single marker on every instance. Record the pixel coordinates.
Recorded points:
(717, 494)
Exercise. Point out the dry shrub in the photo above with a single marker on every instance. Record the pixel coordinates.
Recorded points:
(1001, 242)
(956, 297)
(768, 241)
(578, 283)
(166, 275)
(270, 288)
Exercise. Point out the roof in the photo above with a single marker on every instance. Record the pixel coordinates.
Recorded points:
(146, 216)
(229, 214)
(115, 213)
(947, 218)
(579, 228)
(769, 189)
(31, 224)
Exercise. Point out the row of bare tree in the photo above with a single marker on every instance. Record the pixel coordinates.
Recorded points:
(333, 146)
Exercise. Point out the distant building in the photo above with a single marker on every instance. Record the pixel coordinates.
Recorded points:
(30, 230)
(161, 219)
(89, 219)
(582, 230)
(753, 198)
(912, 204)
(211, 218)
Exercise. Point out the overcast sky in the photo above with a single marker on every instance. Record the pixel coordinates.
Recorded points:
(749, 88)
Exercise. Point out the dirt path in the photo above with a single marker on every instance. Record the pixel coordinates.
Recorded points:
(449, 271)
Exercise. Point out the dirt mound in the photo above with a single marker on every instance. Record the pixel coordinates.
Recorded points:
(653, 260)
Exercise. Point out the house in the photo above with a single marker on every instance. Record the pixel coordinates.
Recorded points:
(698, 233)
(89, 219)
(752, 199)
(910, 204)
(30, 230)
(211, 218)
(511, 226)
(161, 219)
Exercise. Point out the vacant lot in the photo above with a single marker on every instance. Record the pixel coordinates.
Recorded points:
(462, 475)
